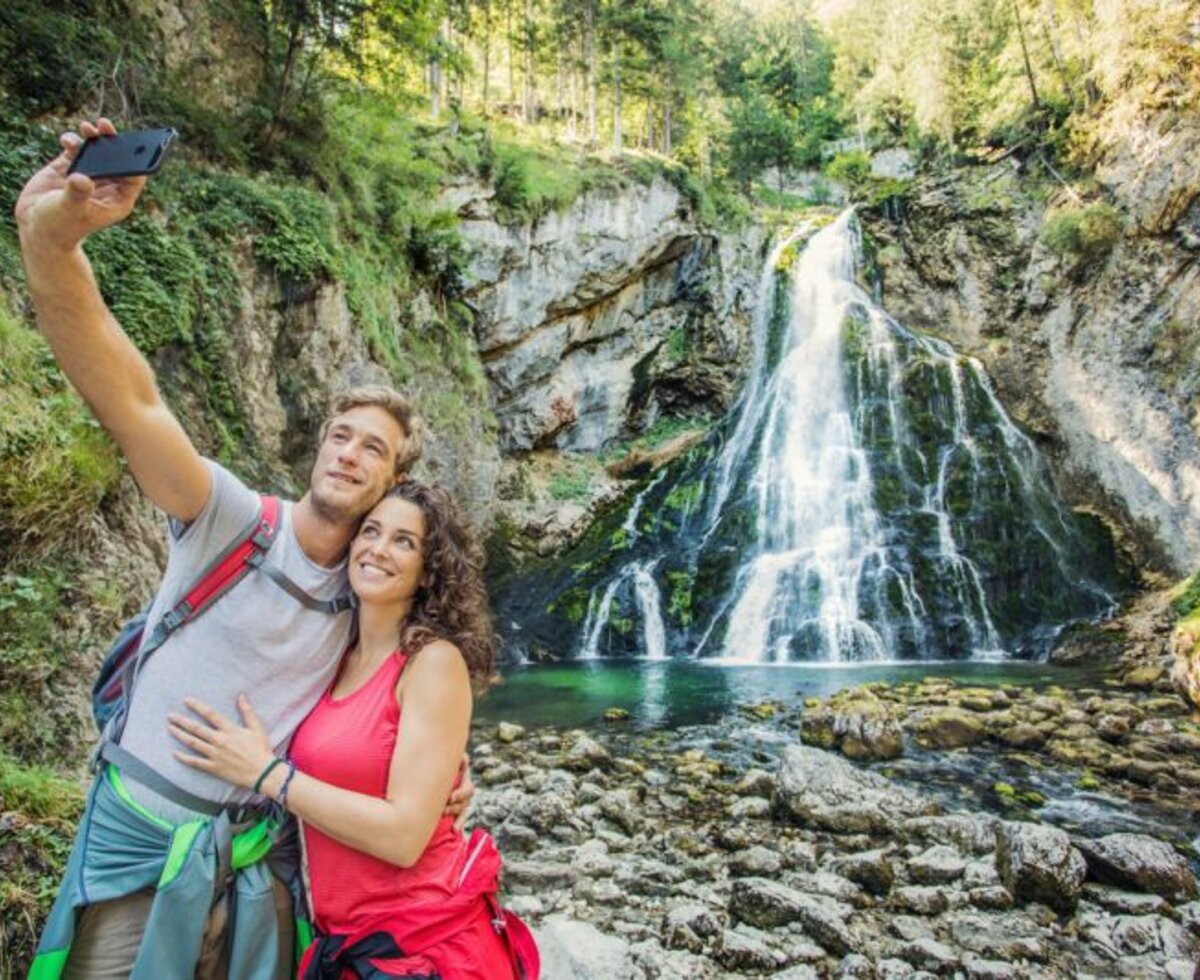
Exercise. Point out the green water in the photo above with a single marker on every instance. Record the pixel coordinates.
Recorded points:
(673, 693)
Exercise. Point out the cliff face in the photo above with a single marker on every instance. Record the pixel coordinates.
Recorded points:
(1096, 354)
(583, 316)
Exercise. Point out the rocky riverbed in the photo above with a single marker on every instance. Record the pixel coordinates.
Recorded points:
(865, 835)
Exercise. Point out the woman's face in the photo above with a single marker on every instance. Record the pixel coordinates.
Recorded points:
(387, 556)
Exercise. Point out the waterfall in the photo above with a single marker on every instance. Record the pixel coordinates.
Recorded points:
(648, 604)
(817, 530)
(867, 498)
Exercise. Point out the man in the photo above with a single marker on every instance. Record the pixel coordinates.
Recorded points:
(168, 859)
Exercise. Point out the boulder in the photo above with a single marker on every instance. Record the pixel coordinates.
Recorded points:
(859, 724)
(947, 728)
(1139, 862)
(508, 733)
(747, 953)
(573, 950)
(871, 870)
(768, 904)
(1038, 864)
(939, 865)
(692, 927)
(824, 790)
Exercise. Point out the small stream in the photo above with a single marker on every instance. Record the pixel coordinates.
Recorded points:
(699, 704)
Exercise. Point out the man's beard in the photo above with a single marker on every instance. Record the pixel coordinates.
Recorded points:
(336, 511)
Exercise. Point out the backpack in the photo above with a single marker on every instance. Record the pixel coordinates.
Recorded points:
(133, 647)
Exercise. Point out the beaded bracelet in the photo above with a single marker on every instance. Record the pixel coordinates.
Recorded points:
(281, 796)
(267, 770)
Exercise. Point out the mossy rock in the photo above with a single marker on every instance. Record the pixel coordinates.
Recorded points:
(616, 714)
(948, 728)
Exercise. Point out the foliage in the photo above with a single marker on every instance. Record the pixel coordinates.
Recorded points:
(55, 461)
(1088, 232)
(572, 481)
(852, 168)
(53, 54)
(1187, 603)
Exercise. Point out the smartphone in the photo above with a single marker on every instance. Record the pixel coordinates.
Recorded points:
(132, 154)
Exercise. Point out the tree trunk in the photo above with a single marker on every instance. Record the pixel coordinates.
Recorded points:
(616, 62)
(573, 93)
(668, 146)
(512, 60)
(530, 112)
(487, 51)
(590, 21)
(1050, 20)
(1037, 103)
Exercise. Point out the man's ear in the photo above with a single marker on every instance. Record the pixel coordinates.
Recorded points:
(402, 478)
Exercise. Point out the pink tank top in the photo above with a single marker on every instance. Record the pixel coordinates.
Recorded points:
(348, 742)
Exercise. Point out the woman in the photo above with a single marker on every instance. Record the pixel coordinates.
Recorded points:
(394, 887)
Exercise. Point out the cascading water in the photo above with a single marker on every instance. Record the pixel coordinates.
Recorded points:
(867, 499)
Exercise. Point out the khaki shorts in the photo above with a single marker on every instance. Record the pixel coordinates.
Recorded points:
(108, 936)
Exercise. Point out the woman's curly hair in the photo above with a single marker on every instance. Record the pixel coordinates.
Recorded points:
(454, 605)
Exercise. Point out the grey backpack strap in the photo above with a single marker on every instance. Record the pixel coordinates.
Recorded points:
(337, 604)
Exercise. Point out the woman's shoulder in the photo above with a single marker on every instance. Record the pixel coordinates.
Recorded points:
(435, 664)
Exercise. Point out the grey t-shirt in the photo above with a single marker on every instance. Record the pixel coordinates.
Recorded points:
(255, 639)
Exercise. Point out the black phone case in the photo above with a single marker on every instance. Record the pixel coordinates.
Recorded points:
(124, 155)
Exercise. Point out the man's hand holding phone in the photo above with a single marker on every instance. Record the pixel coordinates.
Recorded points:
(58, 209)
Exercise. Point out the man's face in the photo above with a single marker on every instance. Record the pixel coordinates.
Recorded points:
(356, 463)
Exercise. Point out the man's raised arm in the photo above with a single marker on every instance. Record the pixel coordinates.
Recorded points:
(55, 213)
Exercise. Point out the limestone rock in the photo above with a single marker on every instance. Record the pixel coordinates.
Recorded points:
(1038, 864)
(1139, 862)
(947, 728)
(573, 950)
(826, 791)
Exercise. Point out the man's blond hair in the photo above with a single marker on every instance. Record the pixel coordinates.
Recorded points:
(396, 405)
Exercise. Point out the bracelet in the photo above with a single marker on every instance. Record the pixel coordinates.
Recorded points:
(281, 797)
(267, 770)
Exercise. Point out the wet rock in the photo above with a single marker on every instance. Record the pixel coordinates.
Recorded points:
(872, 870)
(538, 875)
(854, 966)
(1123, 902)
(1139, 862)
(623, 808)
(755, 782)
(971, 833)
(586, 753)
(1113, 728)
(979, 969)
(1022, 736)
(767, 904)
(748, 953)
(990, 897)
(749, 808)
(764, 903)
(692, 927)
(1038, 864)
(663, 964)
(1015, 936)
(508, 733)
(928, 954)
(516, 838)
(824, 790)
(754, 862)
(498, 774)
(919, 899)
(858, 724)
(939, 865)
(947, 728)
(894, 969)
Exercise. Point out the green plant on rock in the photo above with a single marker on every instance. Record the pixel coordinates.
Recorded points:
(1087, 232)
(679, 606)
(55, 460)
